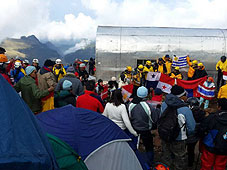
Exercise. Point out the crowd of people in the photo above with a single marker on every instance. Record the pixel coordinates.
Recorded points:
(179, 121)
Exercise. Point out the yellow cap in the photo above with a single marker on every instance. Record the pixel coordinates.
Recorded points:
(177, 68)
(140, 66)
(200, 64)
(129, 68)
(148, 62)
(194, 62)
(3, 58)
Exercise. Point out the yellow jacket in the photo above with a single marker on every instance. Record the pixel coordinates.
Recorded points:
(146, 70)
(221, 65)
(178, 76)
(222, 92)
(191, 72)
(168, 65)
(60, 73)
(137, 78)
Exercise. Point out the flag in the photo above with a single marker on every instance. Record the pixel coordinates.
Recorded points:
(165, 83)
(191, 86)
(126, 92)
(224, 75)
(206, 92)
(152, 79)
(179, 61)
(104, 93)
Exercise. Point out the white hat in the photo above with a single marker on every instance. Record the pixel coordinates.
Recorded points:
(82, 65)
(58, 61)
(113, 79)
(26, 62)
(17, 64)
(35, 61)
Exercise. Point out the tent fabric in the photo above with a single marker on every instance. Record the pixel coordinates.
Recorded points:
(66, 157)
(23, 145)
(84, 130)
(122, 157)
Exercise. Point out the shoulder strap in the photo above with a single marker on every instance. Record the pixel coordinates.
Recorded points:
(148, 112)
(131, 106)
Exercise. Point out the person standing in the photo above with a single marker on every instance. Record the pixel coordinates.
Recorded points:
(214, 130)
(35, 63)
(175, 124)
(65, 96)
(59, 70)
(116, 111)
(220, 67)
(29, 90)
(176, 74)
(90, 100)
(77, 88)
(46, 79)
(144, 119)
(200, 72)
(91, 66)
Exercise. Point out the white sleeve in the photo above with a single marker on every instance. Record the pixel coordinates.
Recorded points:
(105, 112)
(127, 122)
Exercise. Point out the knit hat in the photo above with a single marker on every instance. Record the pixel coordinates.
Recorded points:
(158, 91)
(49, 63)
(178, 91)
(142, 92)
(67, 85)
(70, 70)
(29, 69)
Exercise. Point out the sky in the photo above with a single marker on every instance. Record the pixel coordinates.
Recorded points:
(65, 20)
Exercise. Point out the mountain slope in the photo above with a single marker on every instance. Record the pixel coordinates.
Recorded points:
(29, 47)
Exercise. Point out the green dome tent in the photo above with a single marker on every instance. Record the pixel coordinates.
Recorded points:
(66, 157)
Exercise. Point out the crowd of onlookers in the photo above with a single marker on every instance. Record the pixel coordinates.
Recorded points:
(179, 121)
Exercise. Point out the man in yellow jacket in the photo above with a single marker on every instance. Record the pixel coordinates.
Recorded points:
(176, 74)
(59, 70)
(161, 66)
(222, 93)
(168, 63)
(147, 68)
(220, 67)
(137, 79)
(192, 67)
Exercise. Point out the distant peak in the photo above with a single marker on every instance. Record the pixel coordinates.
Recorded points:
(31, 38)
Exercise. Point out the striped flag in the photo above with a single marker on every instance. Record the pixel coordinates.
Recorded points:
(206, 92)
(179, 61)
(224, 75)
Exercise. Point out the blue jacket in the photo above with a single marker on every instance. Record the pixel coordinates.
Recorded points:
(184, 115)
(16, 76)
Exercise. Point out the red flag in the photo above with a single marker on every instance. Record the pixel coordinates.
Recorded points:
(165, 83)
(191, 86)
(127, 91)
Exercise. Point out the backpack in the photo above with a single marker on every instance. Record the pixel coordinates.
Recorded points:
(168, 126)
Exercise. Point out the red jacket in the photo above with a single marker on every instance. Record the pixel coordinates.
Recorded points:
(86, 101)
(7, 78)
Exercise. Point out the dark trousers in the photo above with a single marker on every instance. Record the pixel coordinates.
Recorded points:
(191, 153)
(174, 154)
(220, 79)
(134, 92)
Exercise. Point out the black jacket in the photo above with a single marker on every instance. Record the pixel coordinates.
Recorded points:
(213, 128)
(199, 74)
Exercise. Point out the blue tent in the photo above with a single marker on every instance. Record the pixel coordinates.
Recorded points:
(23, 145)
(100, 142)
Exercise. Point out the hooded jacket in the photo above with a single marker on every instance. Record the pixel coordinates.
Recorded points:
(59, 72)
(185, 115)
(222, 93)
(46, 78)
(214, 126)
(31, 93)
(77, 88)
(199, 73)
(63, 98)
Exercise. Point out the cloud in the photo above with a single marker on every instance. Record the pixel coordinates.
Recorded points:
(176, 13)
(19, 17)
(71, 28)
(81, 45)
(25, 17)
